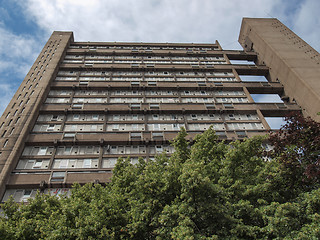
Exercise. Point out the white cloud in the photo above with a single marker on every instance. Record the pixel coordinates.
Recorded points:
(16, 52)
(308, 23)
(302, 17)
(167, 20)
(147, 20)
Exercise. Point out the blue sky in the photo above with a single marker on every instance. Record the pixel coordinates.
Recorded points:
(26, 25)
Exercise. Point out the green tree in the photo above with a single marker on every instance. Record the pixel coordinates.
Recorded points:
(210, 190)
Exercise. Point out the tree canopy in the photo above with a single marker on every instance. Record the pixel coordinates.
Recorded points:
(210, 190)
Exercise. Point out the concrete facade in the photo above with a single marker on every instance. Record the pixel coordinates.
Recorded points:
(84, 104)
(291, 61)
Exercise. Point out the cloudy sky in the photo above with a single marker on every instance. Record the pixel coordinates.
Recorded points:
(25, 25)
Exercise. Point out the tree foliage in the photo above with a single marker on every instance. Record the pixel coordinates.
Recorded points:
(297, 147)
(211, 190)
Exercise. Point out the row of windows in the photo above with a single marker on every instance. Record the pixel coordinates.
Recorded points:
(90, 150)
(142, 92)
(134, 48)
(141, 117)
(142, 127)
(79, 163)
(156, 106)
(57, 163)
(148, 100)
(26, 163)
(22, 195)
(84, 80)
(47, 151)
(95, 61)
(134, 57)
(109, 127)
(149, 73)
(157, 135)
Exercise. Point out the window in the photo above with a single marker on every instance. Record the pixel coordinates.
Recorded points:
(159, 149)
(228, 105)
(33, 164)
(72, 128)
(26, 195)
(69, 135)
(54, 118)
(154, 106)
(9, 122)
(50, 127)
(135, 106)
(77, 105)
(241, 133)
(249, 116)
(134, 149)
(63, 163)
(210, 106)
(157, 135)
(87, 163)
(11, 132)
(4, 133)
(93, 127)
(115, 127)
(58, 176)
(109, 162)
(135, 135)
(37, 164)
(195, 126)
(221, 134)
(176, 126)
(152, 83)
(42, 151)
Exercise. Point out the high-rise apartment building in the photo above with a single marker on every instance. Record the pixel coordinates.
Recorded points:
(85, 104)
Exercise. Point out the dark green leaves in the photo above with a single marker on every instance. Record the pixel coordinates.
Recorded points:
(210, 190)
